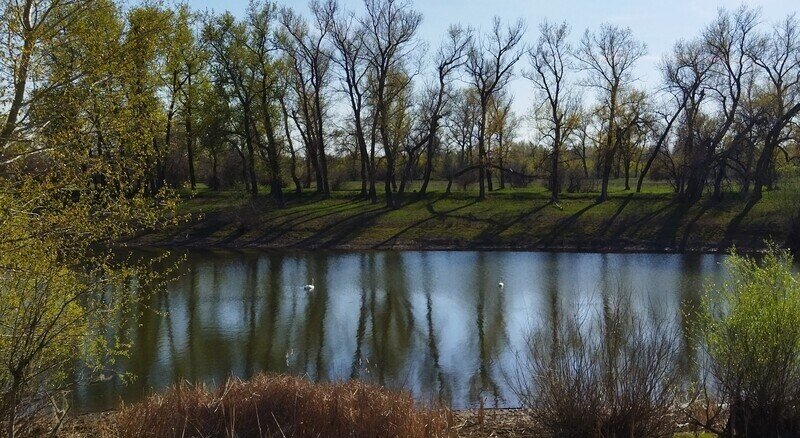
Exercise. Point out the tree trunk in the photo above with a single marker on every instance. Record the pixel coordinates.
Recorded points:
(276, 182)
(160, 167)
(245, 173)
(251, 160)
(500, 160)
(765, 160)
(608, 153)
(429, 151)
(583, 156)
(364, 165)
(189, 133)
(290, 145)
(323, 159)
(404, 177)
(555, 184)
(158, 178)
(489, 181)
(389, 180)
(308, 172)
(659, 143)
(13, 396)
(606, 173)
(627, 166)
(20, 80)
(723, 166)
(312, 151)
(373, 192)
(387, 147)
(214, 172)
(293, 171)
(482, 153)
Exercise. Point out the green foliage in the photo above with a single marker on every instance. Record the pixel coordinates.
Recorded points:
(77, 174)
(751, 331)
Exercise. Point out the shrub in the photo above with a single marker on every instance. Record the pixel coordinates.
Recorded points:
(275, 405)
(578, 183)
(751, 332)
(614, 375)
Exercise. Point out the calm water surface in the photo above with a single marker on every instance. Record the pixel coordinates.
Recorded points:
(432, 322)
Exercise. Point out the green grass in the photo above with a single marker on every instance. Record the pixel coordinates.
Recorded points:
(512, 218)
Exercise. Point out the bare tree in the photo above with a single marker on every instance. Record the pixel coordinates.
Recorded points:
(729, 41)
(490, 64)
(609, 56)
(502, 125)
(551, 61)
(345, 35)
(389, 31)
(311, 60)
(462, 125)
(779, 59)
(451, 56)
(684, 75)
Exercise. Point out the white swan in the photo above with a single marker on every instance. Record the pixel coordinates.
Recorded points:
(309, 287)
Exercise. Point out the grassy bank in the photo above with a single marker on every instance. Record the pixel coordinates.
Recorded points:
(654, 220)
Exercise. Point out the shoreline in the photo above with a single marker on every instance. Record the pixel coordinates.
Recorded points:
(624, 224)
(706, 248)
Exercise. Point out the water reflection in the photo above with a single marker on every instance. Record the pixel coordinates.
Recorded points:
(435, 323)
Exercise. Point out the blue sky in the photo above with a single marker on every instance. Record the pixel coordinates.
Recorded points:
(658, 23)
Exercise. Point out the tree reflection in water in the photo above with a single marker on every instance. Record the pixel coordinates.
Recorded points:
(434, 323)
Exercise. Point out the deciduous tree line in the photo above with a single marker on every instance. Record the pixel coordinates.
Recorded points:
(325, 95)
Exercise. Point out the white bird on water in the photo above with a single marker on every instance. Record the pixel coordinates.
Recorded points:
(309, 287)
(500, 285)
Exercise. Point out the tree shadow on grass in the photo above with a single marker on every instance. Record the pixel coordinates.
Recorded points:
(607, 224)
(492, 233)
(342, 230)
(733, 226)
(671, 224)
(267, 230)
(565, 224)
(675, 231)
(632, 227)
(687, 230)
(434, 215)
(191, 231)
(311, 215)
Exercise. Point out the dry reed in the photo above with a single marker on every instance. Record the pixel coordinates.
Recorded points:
(276, 405)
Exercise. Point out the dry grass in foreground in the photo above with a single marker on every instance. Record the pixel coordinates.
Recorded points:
(275, 405)
(500, 423)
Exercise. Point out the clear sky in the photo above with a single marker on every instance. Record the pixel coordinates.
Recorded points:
(658, 23)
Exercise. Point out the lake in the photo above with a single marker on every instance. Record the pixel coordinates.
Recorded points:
(433, 322)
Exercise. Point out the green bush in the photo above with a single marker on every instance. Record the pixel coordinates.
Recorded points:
(751, 332)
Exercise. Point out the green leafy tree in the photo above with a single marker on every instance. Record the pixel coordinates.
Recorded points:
(751, 329)
(77, 173)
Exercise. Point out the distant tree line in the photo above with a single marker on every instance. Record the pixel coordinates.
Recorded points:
(316, 98)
